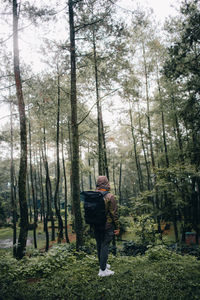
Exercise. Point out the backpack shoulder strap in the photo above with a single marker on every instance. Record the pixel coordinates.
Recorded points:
(105, 193)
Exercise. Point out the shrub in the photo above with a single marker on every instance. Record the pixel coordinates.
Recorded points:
(133, 249)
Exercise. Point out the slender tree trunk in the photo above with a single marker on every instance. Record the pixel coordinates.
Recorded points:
(39, 189)
(65, 193)
(177, 128)
(114, 180)
(13, 199)
(32, 188)
(42, 190)
(48, 189)
(60, 222)
(75, 134)
(36, 186)
(137, 160)
(82, 182)
(148, 111)
(99, 114)
(47, 214)
(21, 247)
(94, 170)
(149, 184)
(70, 157)
(163, 122)
(120, 182)
(105, 152)
(29, 199)
(89, 164)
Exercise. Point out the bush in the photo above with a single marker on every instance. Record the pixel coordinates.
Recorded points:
(133, 249)
(123, 225)
(146, 230)
(123, 210)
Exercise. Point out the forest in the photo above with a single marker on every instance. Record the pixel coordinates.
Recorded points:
(117, 94)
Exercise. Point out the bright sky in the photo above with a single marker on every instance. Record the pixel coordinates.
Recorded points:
(162, 8)
(30, 47)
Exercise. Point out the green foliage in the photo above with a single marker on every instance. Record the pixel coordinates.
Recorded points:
(124, 211)
(145, 227)
(123, 225)
(132, 249)
(65, 274)
(160, 253)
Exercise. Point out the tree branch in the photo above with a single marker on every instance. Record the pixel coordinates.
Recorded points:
(93, 106)
(88, 24)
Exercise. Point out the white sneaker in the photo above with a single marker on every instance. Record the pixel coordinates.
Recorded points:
(107, 266)
(106, 272)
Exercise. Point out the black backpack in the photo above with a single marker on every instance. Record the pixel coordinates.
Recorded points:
(94, 207)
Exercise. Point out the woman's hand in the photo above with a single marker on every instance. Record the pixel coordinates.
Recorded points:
(116, 232)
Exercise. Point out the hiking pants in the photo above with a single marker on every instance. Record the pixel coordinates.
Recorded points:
(103, 239)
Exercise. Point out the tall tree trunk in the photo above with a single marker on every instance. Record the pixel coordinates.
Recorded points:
(29, 198)
(94, 172)
(65, 193)
(148, 111)
(114, 180)
(82, 182)
(47, 214)
(89, 164)
(137, 160)
(32, 188)
(99, 114)
(13, 199)
(21, 247)
(105, 151)
(75, 134)
(163, 122)
(120, 182)
(60, 222)
(149, 184)
(70, 157)
(41, 190)
(36, 183)
(177, 128)
(48, 189)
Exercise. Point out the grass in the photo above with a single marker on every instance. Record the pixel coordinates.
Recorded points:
(6, 233)
(65, 274)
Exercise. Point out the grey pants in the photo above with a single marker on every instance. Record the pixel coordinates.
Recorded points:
(103, 239)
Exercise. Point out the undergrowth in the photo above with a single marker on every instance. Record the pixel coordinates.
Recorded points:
(63, 273)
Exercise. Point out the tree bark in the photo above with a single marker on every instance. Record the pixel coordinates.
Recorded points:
(149, 184)
(32, 188)
(177, 128)
(65, 193)
(13, 200)
(60, 222)
(41, 190)
(101, 167)
(114, 180)
(120, 182)
(21, 247)
(48, 189)
(75, 134)
(163, 122)
(90, 174)
(137, 160)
